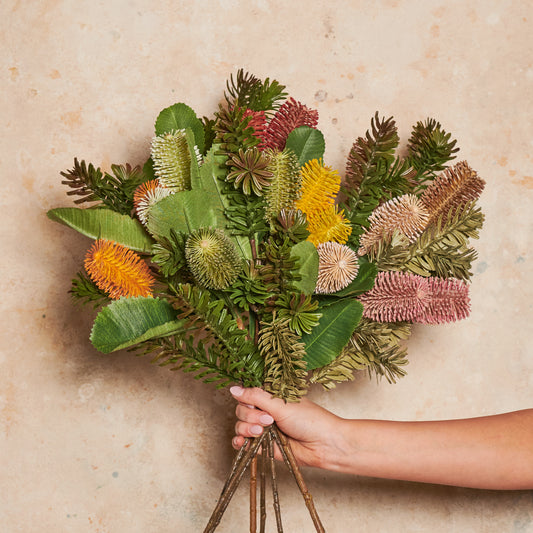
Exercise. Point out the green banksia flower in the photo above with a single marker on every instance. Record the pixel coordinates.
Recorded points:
(249, 171)
(285, 185)
(172, 160)
(212, 258)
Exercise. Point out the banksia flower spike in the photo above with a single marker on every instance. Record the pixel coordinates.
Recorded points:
(259, 125)
(405, 214)
(284, 188)
(337, 267)
(400, 296)
(146, 195)
(291, 115)
(452, 189)
(329, 225)
(320, 186)
(172, 160)
(212, 258)
(117, 270)
(250, 171)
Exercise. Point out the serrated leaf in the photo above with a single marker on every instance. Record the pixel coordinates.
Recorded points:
(307, 256)
(177, 117)
(129, 321)
(183, 211)
(307, 143)
(335, 327)
(100, 223)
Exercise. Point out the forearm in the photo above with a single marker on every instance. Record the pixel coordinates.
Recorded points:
(494, 452)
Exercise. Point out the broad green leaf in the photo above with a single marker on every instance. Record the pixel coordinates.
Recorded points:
(183, 211)
(307, 256)
(178, 117)
(195, 169)
(129, 321)
(307, 143)
(148, 169)
(363, 282)
(100, 223)
(335, 327)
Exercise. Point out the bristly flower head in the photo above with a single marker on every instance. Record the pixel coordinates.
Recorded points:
(172, 160)
(401, 296)
(146, 195)
(405, 214)
(212, 258)
(249, 170)
(117, 270)
(328, 225)
(337, 267)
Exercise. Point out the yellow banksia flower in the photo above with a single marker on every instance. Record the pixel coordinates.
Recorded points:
(328, 225)
(117, 270)
(320, 186)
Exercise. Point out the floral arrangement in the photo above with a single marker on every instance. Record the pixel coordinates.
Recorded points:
(235, 253)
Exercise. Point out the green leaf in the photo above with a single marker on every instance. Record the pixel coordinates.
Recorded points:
(183, 211)
(326, 341)
(129, 321)
(307, 256)
(148, 169)
(100, 223)
(363, 282)
(179, 117)
(307, 143)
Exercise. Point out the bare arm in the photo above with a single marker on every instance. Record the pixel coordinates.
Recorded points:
(492, 452)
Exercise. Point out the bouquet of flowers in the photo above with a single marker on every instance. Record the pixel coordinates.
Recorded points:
(236, 254)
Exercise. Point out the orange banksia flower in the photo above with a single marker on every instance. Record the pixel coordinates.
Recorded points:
(146, 195)
(118, 270)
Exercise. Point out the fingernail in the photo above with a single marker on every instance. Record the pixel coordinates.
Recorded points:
(235, 442)
(236, 390)
(266, 419)
(256, 430)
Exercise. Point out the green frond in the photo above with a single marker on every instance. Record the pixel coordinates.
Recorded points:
(248, 91)
(169, 253)
(280, 267)
(111, 190)
(209, 132)
(249, 289)
(300, 310)
(292, 223)
(85, 291)
(233, 130)
(283, 351)
(430, 149)
(285, 184)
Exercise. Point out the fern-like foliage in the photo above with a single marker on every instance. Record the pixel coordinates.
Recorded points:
(111, 190)
(283, 351)
(430, 148)
(212, 345)
(373, 174)
(85, 291)
(248, 91)
(375, 346)
(245, 214)
(278, 270)
(442, 250)
(209, 133)
(169, 253)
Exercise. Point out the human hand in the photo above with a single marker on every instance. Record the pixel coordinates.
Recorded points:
(311, 430)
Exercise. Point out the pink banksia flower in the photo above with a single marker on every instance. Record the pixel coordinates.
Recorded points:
(402, 296)
(290, 115)
(452, 189)
(405, 214)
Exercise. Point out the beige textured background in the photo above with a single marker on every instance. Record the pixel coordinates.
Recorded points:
(93, 443)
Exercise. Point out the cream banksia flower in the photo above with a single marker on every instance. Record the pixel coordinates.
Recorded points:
(337, 267)
(146, 195)
(172, 160)
(212, 258)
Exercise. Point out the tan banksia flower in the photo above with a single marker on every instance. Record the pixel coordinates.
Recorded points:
(146, 195)
(249, 170)
(212, 258)
(452, 189)
(172, 160)
(337, 267)
(405, 214)
(117, 270)
(328, 225)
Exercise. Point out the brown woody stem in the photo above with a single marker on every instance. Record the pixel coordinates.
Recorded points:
(274, 481)
(253, 495)
(262, 497)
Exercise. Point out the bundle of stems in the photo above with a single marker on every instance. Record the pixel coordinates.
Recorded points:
(258, 453)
